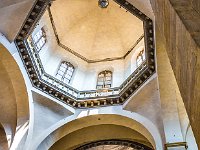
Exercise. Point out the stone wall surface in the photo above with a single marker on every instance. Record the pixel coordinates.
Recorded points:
(184, 55)
(189, 12)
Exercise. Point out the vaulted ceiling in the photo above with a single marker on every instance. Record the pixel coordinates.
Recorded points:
(95, 32)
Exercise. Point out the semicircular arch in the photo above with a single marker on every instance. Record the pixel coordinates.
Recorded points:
(120, 117)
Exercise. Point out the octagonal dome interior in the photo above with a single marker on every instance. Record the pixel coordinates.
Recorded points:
(100, 32)
(99, 39)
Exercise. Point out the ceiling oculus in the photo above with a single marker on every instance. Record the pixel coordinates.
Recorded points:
(103, 3)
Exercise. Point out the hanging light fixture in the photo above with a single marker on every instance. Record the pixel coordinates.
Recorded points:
(103, 3)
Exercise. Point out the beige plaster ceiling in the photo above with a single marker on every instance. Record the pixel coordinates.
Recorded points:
(93, 32)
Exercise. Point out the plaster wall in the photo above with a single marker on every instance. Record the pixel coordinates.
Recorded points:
(46, 113)
(130, 61)
(146, 102)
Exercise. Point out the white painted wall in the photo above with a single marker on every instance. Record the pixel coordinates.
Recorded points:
(130, 60)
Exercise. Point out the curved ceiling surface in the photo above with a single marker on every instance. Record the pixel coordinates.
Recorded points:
(95, 32)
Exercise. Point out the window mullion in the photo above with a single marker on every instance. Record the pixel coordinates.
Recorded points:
(38, 39)
(104, 80)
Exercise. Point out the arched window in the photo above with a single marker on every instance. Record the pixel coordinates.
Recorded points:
(104, 79)
(65, 72)
(39, 39)
(140, 58)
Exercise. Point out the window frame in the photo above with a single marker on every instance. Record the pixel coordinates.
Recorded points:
(142, 56)
(103, 86)
(65, 71)
(35, 42)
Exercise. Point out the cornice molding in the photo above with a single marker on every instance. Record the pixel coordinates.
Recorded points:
(71, 96)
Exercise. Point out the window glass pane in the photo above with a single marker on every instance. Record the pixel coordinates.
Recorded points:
(69, 72)
(108, 74)
(66, 71)
(140, 58)
(63, 65)
(39, 39)
(108, 78)
(60, 72)
(67, 76)
(62, 69)
(101, 79)
(100, 83)
(66, 80)
(59, 77)
(107, 82)
(101, 75)
(39, 44)
(42, 40)
(70, 69)
(143, 56)
(107, 86)
(99, 87)
(139, 62)
(36, 37)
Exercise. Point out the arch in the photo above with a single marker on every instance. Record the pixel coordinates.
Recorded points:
(109, 115)
(104, 133)
(13, 91)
